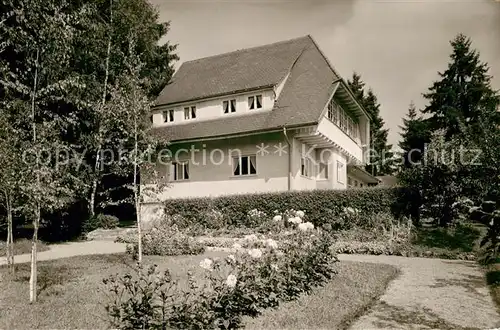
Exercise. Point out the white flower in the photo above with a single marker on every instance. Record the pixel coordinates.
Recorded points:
(251, 237)
(274, 267)
(299, 214)
(306, 226)
(231, 281)
(255, 253)
(237, 246)
(277, 218)
(272, 243)
(231, 258)
(350, 210)
(206, 264)
(295, 220)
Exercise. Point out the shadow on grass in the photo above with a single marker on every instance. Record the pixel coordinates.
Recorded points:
(462, 238)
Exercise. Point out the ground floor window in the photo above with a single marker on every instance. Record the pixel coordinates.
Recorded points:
(323, 171)
(180, 171)
(306, 167)
(340, 172)
(244, 165)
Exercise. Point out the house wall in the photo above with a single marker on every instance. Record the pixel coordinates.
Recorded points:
(211, 168)
(334, 133)
(212, 108)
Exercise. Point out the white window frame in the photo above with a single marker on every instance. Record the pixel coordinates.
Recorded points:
(190, 112)
(179, 170)
(340, 178)
(306, 167)
(169, 116)
(326, 174)
(237, 165)
(342, 119)
(254, 105)
(230, 108)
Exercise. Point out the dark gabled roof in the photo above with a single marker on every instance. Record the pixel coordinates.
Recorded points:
(301, 102)
(263, 66)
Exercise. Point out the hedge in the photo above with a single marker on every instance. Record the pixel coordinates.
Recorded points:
(319, 205)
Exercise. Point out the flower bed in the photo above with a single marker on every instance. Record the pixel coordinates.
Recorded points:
(262, 273)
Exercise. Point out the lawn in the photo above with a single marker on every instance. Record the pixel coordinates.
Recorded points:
(336, 305)
(22, 246)
(71, 295)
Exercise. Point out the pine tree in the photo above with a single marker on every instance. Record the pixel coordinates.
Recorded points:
(463, 92)
(414, 136)
(381, 157)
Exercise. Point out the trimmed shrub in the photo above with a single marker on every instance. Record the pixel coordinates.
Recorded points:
(321, 206)
(165, 239)
(104, 221)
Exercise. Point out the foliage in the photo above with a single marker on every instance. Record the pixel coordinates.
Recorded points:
(165, 239)
(104, 221)
(321, 206)
(381, 156)
(239, 285)
(414, 137)
(463, 94)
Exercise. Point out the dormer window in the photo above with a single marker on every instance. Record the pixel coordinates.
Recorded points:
(255, 102)
(229, 106)
(168, 116)
(190, 112)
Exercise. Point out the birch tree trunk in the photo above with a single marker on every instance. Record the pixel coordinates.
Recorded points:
(10, 234)
(93, 190)
(36, 219)
(136, 196)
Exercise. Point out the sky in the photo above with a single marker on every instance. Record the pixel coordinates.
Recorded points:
(398, 47)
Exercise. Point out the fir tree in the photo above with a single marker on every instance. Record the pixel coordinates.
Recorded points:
(414, 136)
(381, 157)
(463, 92)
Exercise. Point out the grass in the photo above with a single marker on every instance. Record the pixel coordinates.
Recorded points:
(22, 246)
(336, 305)
(71, 294)
(493, 281)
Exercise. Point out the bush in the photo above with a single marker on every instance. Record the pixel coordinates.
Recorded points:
(165, 239)
(240, 285)
(104, 221)
(321, 206)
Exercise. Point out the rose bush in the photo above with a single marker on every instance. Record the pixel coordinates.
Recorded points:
(241, 284)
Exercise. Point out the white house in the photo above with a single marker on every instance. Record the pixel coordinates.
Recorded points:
(271, 118)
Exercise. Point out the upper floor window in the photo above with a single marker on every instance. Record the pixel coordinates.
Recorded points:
(255, 102)
(245, 165)
(190, 112)
(168, 116)
(229, 106)
(342, 119)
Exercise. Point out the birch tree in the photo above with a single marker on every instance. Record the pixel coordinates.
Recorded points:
(37, 80)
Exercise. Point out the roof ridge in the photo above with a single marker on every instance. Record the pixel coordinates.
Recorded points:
(246, 49)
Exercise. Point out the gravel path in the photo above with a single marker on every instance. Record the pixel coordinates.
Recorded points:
(431, 294)
(58, 251)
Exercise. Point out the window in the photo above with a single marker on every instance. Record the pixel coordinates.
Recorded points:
(244, 165)
(229, 106)
(180, 171)
(255, 102)
(306, 167)
(340, 172)
(323, 171)
(168, 116)
(342, 119)
(190, 112)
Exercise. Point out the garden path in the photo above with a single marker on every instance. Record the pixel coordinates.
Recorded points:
(430, 294)
(65, 250)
